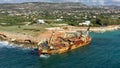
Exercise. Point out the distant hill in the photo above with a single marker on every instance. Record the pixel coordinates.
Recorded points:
(42, 5)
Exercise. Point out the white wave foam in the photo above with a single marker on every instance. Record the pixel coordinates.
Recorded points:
(25, 48)
(12, 45)
(44, 56)
(3, 43)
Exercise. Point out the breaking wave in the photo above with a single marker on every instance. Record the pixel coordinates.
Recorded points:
(44, 56)
(6, 44)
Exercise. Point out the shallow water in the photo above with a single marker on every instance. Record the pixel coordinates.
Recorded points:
(103, 52)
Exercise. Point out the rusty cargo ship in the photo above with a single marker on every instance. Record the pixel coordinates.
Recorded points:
(62, 44)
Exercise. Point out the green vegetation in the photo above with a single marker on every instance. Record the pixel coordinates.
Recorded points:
(105, 22)
(71, 13)
(11, 20)
(8, 20)
(33, 30)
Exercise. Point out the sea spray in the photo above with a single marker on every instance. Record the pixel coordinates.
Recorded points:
(3, 44)
(44, 56)
(6, 44)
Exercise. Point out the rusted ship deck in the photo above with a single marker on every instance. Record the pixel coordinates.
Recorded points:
(61, 44)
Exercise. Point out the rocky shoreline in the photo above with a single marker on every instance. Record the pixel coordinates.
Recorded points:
(104, 29)
(32, 42)
(100, 29)
(25, 40)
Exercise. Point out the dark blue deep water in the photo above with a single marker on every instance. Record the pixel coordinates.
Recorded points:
(103, 52)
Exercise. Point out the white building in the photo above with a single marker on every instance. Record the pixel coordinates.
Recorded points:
(59, 20)
(85, 23)
(40, 21)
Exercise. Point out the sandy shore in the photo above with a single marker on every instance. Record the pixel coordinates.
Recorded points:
(32, 42)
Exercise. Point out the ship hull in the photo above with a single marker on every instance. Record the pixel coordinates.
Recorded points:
(76, 45)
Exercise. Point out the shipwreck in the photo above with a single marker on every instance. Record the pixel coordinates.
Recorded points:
(62, 44)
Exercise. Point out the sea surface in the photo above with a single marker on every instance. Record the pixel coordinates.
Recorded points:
(103, 52)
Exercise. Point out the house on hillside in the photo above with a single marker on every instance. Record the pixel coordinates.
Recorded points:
(85, 23)
(40, 21)
(59, 20)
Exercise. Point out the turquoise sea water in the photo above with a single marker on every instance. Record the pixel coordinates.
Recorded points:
(103, 52)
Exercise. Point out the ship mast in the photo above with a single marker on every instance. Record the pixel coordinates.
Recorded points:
(88, 29)
(51, 37)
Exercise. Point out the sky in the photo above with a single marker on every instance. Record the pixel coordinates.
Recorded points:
(91, 2)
